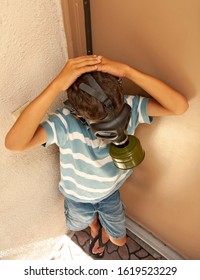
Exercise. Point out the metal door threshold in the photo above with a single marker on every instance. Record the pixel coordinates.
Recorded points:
(152, 241)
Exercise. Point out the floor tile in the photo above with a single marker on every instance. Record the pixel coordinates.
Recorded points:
(134, 249)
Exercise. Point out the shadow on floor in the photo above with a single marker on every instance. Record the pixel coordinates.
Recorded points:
(132, 250)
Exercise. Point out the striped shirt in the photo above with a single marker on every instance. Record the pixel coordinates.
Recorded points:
(88, 173)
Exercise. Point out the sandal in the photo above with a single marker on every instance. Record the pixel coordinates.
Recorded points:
(101, 245)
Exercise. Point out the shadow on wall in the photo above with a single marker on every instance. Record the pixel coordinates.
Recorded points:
(145, 172)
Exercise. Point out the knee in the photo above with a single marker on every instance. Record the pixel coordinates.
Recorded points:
(118, 242)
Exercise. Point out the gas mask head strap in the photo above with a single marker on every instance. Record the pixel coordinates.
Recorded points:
(70, 108)
(96, 91)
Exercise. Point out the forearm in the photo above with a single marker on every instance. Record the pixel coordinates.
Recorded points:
(167, 98)
(162, 93)
(26, 125)
(26, 132)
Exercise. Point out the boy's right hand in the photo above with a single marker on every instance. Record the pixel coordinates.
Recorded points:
(74, 68)
(26, 131)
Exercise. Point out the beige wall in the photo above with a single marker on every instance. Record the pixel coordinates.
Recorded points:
(32, 51)
(161, 38)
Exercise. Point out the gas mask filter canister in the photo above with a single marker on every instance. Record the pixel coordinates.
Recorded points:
(125, 150)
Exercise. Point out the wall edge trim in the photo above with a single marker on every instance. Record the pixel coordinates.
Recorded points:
(152, 241)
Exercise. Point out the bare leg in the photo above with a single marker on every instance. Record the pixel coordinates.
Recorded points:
(118, 242)
(94, 228)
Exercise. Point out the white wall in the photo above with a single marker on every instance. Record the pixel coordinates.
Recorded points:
(32, 51)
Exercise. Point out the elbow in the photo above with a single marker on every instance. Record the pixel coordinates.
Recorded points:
(182, 107)
(12, 146)
(8, 144)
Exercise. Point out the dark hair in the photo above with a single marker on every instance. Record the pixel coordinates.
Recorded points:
(88, 106)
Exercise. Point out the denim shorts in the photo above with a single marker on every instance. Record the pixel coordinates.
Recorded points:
(110, 212)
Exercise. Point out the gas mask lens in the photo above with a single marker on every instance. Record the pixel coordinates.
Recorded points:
(109, 135)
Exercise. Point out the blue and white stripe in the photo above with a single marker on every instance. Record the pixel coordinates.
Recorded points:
(88, 173)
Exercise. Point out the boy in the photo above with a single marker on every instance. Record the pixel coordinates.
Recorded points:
(89, 179)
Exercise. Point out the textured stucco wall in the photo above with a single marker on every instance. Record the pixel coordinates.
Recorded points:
(32, 51)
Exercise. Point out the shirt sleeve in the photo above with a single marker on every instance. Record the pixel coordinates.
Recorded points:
(56, 129)
(139, 111)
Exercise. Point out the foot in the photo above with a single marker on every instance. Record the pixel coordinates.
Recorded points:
(98, 243)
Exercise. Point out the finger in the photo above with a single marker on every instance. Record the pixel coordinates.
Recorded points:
(87, 64)
(87, 68)
(87, 58)
(90, 61)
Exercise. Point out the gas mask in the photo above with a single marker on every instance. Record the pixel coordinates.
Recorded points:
(125, 150)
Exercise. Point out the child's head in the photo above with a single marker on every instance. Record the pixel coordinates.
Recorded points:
(88, 106)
